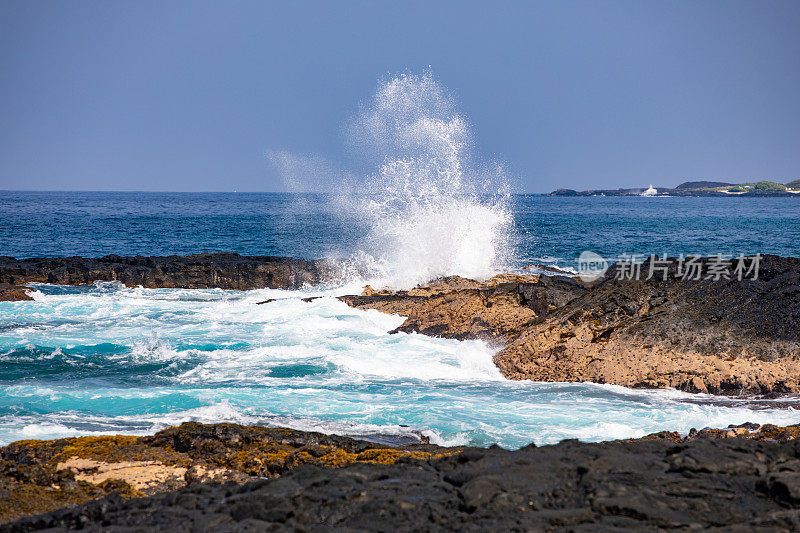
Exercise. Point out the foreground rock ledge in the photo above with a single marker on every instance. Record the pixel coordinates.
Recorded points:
(745, 476)
(38, 476)
(717, 336)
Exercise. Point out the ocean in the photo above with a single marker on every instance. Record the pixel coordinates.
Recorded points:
(552, 230)
(110, 359)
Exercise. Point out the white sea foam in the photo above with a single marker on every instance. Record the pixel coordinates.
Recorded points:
(137, 360)
(74, 424)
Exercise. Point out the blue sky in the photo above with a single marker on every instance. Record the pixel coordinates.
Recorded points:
(191, 96)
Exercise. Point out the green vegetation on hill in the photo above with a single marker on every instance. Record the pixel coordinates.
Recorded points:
(793, 184)
(769, 186)
(703, 184)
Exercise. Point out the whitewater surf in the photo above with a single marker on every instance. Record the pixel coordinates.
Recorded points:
(110, 359)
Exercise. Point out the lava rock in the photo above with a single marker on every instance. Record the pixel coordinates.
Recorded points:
(633, 485)
(200, 271)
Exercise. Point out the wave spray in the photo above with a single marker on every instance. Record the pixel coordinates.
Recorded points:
(429, 214)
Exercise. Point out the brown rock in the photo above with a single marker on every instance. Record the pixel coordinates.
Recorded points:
(369, 291)
(13, 293)
(458, 308)
(147, 477)
(712, 336)
(39, 476)
(723, 337)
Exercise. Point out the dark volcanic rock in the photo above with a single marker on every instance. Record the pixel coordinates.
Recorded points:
(720, 336)
(703, 184)
(201, 271)
(40, 476)
(632, 485)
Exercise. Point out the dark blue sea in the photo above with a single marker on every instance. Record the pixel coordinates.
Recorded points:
(93, 224)
(112, 359)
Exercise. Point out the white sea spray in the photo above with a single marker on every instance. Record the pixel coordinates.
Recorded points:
(428, 212)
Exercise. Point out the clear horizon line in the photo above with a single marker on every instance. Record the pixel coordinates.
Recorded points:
(193, 192)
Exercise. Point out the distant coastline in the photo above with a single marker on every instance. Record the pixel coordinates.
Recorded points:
(698, 188)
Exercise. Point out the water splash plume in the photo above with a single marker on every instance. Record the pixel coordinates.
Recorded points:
(429, 213)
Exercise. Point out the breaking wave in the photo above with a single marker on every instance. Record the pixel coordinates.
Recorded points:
(429, 213)
(111, 359)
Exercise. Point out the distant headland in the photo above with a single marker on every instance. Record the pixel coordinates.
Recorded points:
(697, 188)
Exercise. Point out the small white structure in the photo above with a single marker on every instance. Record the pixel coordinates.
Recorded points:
(650, 191)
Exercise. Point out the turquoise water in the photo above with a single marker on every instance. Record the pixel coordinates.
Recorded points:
(110, 359)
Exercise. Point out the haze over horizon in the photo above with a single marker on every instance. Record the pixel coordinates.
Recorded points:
(200, 96)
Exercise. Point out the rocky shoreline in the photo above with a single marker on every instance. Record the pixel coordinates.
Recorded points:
(760, 189)
(227, 477)
(38, 476)
(720, 336)
(200, 271)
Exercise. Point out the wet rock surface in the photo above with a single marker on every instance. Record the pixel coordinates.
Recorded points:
(498, 310)
(201, 271)
(721, 336)
(13, 293)
(743, 478)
